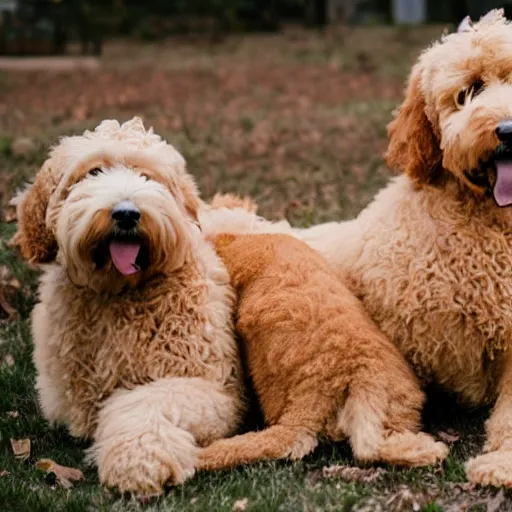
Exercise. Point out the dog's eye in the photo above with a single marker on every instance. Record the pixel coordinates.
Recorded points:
(468, 93)
(95, 171)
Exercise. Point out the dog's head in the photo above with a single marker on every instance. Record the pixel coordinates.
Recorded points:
(114, 206)
(456, 119)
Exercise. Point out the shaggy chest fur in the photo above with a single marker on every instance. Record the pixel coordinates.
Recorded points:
(97, 343)
(438, 281)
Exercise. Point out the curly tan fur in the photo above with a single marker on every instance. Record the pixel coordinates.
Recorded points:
(146, 365)
(320, 367)
(431, 256)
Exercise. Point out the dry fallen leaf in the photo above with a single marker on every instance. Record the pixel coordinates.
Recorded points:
(404, 500)
(4, 472)
(23, 146)
(13, 414)
(21, 448)
(64, 476)
(240, 505)
(11, 312)
(14, 283)
(494, 504)
(450, 436)
(7, 282)
(9, 360)
(353, 474)
(9, 214)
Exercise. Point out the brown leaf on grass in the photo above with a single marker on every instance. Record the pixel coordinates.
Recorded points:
(14, 283)
(4, 472)
(450, 436)
(240, 505)
(353, 474)
(7, 282)
(9, 360)
(9, 214)
(13, 414)
(65, 476)
(494, 503)
(4, 305)
(23, 146)
(404, 500)
(21, 448)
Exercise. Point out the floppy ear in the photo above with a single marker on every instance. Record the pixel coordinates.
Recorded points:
(413, 146)
(35, 241)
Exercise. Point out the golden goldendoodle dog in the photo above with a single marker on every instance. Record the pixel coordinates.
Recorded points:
(133, 332)
(319, 365)
(431, 256)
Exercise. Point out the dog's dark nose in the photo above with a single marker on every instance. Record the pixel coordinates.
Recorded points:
(126, 215)
(504, 131)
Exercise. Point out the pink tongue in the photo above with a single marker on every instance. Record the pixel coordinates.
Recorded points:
(503, 187)
(124, 256)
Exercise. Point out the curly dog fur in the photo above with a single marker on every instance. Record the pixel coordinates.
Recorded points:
(431, 256)
(142, 360)
(319, 366)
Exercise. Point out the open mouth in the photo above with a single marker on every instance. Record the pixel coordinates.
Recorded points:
(495, 175)
(128, 251)
(503, 165)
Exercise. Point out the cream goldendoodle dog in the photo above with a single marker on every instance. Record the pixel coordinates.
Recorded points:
(133, 334)
(431, 257)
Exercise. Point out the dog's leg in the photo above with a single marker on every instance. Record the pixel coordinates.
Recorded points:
(275, 442)
(495, 467)
(148, 437)
(293, 435)
(49, 386)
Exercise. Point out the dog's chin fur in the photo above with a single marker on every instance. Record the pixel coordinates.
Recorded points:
(146, 365)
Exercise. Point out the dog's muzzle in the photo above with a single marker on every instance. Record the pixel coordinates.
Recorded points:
(494, 174)
(126, 215)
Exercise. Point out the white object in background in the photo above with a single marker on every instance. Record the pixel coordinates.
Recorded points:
(409, 12)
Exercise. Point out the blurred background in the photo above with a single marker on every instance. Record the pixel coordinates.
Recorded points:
(48, 26)
(285, 100)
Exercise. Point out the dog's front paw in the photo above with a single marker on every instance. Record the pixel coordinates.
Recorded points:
(146, 464)
(493, 468)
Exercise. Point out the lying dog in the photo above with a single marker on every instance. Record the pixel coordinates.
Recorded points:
(320, 367)
(133, 335)
(431, 257)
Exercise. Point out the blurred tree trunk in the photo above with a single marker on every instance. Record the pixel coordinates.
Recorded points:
(316, 13)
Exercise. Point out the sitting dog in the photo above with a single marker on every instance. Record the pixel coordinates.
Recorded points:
(431, 257)
(319, 366)
(133, 333)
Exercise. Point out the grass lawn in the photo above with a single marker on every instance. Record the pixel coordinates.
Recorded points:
(297, 121)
